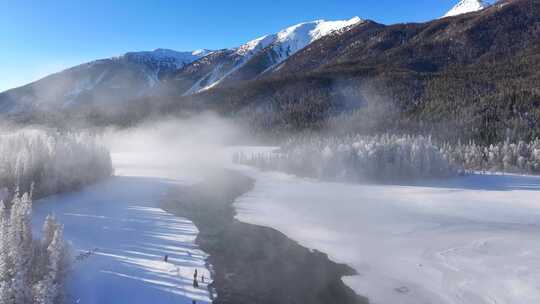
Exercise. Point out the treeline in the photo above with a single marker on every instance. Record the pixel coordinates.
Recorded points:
(391, 158)
(520, 157)
(485, 102)
(47, 162)
(357, 158)
(32, 271)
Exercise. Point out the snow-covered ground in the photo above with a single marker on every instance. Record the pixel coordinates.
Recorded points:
(473, 239)
(120, 236)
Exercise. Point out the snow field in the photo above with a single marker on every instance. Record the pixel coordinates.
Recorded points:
(472, 239)
(120, 236)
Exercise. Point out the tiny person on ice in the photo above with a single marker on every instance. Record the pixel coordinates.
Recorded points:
(195, 282)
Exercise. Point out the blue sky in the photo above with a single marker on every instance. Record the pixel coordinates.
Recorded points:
(44, 36)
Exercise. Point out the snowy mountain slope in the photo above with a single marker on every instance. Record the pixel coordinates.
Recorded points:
(99, 82)
(295, 38)
(166, 58)
(466, 6)
(259, 55)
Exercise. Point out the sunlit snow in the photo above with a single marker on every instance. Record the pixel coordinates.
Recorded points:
(466, 6)
(284, 44)
(120, 237)
(473, 239)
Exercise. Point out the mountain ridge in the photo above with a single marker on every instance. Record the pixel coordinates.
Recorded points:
(275, 47)
(137, 74)
(473, 76)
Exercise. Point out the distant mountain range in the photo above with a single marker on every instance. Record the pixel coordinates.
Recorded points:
(455, 74)
(136, 74)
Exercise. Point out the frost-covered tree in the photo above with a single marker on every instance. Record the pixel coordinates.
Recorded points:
(520, 157)
(49, 229)
(31, 271)
(47, 291)
(392, 158)
(357, 158)
(20, 247)
(54, 161)
(6, 270)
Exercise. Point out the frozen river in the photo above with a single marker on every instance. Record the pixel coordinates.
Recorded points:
(121, 236)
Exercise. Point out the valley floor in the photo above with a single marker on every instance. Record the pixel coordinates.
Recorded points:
(473, 239)
(119, 237)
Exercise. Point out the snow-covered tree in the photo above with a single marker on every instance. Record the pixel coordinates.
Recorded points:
(45, 291)
(20, 247)
(392, 158)
(6, 270)
(54, 161)
(385, 157)
(31, 271)
(49, 229)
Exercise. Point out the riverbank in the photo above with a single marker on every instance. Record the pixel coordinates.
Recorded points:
(255, 264)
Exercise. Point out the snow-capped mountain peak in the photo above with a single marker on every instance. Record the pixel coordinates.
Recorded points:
(278, 47)
(201, 52)
(296, 37)
(466, 6)
(315, 29)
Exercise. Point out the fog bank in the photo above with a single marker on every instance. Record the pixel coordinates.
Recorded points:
(173, 147)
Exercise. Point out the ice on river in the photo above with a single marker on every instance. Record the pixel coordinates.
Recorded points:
(120, 236)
